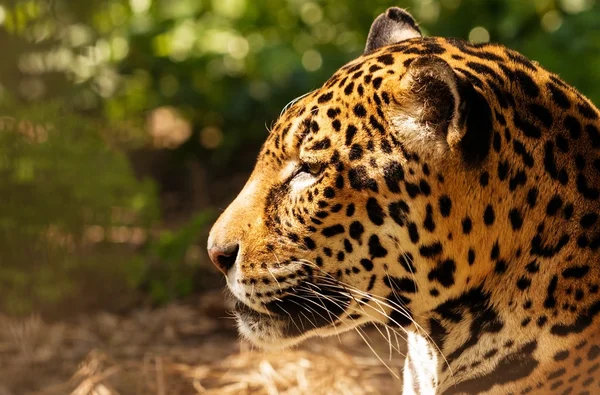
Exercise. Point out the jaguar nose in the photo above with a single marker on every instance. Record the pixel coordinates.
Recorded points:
(224, 257)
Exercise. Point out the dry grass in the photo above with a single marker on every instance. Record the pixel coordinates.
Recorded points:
(176, 350)
(284, 373)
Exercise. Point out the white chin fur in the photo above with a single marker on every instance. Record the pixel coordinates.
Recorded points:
(270, 338)
(267, 339)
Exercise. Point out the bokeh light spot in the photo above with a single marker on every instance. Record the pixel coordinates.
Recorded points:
(167, 128)
(479, 34)
(576, 6)
(238, 47)
(140, 6)
(312, 60)
(311, 13)
(211, 137)
(428, 11)
(551, 21)
(229, 8)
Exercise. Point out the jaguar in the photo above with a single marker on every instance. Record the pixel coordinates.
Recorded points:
(446, 190)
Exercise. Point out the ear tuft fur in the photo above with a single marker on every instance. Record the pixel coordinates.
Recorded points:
(391, 27)
(430, 88)
(435, 105)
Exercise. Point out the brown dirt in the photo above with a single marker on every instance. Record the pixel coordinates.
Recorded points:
(189, 348)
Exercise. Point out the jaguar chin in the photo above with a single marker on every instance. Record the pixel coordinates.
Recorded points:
(289, 319)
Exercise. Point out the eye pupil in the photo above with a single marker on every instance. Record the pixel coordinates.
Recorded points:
(314, 168)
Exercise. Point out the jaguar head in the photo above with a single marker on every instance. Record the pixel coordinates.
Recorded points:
(334, 227)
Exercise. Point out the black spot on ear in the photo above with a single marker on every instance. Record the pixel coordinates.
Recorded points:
(475, 144)
(399, 15)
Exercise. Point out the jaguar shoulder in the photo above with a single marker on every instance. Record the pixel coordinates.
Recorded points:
(447, 190)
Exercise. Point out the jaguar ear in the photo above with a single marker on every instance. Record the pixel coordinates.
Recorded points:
(436, 107)
(391, 27)
(429, 98)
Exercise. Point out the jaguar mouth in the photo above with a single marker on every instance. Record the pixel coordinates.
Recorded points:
(247, 313)
(292, 316)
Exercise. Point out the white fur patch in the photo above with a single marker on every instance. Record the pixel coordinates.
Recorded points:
(414, 134)
(403, 34)
(420, 367)
(301, 182)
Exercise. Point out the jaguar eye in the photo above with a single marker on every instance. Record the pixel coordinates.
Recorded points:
(306, 170)
(314, 168)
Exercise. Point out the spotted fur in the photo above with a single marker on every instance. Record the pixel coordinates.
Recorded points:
(445, 189)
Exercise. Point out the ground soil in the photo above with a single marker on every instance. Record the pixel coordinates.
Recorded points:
(184, 348)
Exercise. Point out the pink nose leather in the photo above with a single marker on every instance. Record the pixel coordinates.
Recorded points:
(223, 258)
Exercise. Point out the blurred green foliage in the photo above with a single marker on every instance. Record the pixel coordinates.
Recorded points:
(63, 188)
(227, 67)
(230, 65)
(167, 273)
